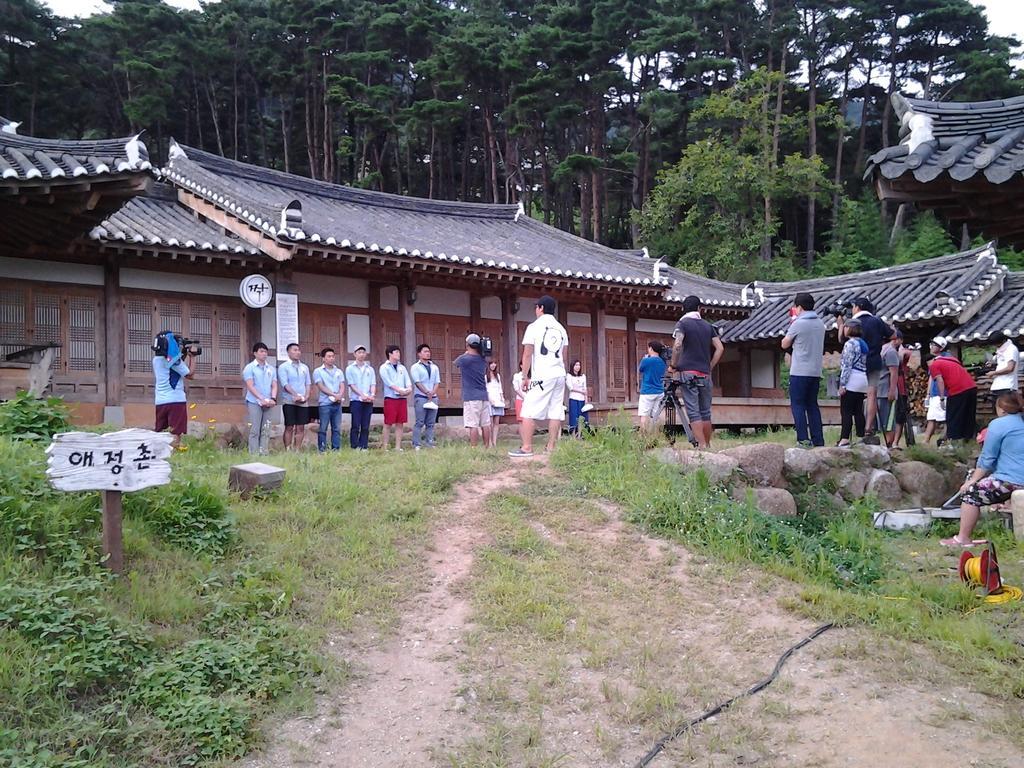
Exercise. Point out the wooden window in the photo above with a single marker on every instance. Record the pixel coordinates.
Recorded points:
(216, 325)
(616, 367)
(320, 327)
(70, 317)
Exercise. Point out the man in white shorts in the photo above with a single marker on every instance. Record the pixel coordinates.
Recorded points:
(545, 344)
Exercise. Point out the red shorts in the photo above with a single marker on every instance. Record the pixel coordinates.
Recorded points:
(172, 416)
(396, 410)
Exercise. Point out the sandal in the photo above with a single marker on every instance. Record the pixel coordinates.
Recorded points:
(843, 444)
(955, 542)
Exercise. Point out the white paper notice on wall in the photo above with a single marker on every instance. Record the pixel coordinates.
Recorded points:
(287, 323)
(128, 460)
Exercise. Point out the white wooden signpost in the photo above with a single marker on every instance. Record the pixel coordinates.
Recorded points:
(114, 463)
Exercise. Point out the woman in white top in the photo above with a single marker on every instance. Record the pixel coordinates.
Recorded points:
(517, 387)
(496, 397)
(576, 383)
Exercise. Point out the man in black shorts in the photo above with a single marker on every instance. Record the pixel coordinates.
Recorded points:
(295, 389)
(695, 353)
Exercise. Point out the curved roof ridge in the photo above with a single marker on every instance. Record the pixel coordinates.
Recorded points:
(340, 192)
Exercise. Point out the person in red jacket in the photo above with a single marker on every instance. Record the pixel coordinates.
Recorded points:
(959, 390)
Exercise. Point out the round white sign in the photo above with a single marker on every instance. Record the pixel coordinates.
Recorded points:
(256, 291)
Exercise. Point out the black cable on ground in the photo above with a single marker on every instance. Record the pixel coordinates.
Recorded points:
(756, 688)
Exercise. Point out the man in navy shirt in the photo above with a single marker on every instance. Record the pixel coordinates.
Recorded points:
(651, 384)
(695, 353)
(875, 333)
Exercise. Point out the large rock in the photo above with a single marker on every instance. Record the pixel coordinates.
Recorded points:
(885, 486)
(851, 484)
(718, 468)
(922, 482)
(762, 463)
(803, 463)
(835, 457)
(872, 455)
(776, 502)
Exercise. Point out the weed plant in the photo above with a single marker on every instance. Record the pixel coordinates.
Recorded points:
(222, 613)
(849, 572)
(26, 417)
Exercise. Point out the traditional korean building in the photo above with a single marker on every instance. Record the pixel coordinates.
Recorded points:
(100, 252)
(964, 160)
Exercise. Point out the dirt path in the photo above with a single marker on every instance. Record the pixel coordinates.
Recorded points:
(654, 634)
(404, 706)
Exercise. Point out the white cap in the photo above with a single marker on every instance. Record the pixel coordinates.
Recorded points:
(940, 341)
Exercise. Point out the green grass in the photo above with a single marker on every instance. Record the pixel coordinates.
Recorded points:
(845, 570)
(221, 615)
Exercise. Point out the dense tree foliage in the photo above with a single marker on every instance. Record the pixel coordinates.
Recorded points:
(739, 127)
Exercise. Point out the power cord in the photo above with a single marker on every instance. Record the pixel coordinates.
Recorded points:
(756, 688)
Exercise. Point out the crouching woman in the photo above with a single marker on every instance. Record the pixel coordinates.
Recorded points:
(1000, 469)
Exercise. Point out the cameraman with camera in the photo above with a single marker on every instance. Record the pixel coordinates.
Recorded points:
(875, 333)
(476, 406)
(172, 364)
(695, 353)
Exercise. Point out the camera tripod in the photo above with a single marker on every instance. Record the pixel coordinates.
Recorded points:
(676, 420)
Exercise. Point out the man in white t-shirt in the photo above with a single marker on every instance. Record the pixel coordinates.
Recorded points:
(545, 344)
(1006, 376)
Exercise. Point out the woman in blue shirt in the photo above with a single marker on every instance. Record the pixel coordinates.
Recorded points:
(1000, 469)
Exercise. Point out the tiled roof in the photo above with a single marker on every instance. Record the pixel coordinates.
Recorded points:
(160, 221)
(1005, 314)
(335, 217)
(959, 138)
(923, 291)
(34, 160)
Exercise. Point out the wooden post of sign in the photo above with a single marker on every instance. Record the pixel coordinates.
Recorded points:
(113, 540)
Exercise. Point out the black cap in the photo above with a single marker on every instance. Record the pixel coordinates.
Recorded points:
(548, 304)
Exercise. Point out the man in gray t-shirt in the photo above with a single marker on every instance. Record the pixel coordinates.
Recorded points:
(805, 341)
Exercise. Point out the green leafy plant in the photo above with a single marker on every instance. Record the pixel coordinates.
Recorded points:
(25, 417)
(188, 514)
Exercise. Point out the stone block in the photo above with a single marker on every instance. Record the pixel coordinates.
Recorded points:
(1017, 511)
(876, 456)
(803, 463)
(851, 484)
(885, 486)
(921, 482)
(719, 468)
(762, 463)
(777, 502)
(246, 478)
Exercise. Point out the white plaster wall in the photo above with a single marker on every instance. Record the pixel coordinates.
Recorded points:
(490, 308)
(579, 319)
(527, 308)
(167, 281)
(443, 301)
(358, 329)
(388, 297)
(268, 328)
(336, 291)
(51, 272)
(615, 323)
(655, 326)
(762, 368)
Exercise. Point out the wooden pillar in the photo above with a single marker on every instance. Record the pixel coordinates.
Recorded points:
(631, 361)
(112, 540)
(407, 306)
(510, 356)
(599, 346)
(376, 353)
(474, 312)
(113, 333)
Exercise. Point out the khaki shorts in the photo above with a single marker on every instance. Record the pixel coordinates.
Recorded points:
(649, 404)
(543, 401)
(476, 413)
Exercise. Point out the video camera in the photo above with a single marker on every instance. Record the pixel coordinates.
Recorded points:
(841, 309)
(481, 343)
(186, 346)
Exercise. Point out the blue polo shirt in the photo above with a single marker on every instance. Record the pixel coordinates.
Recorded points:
(262, 377)
(294, 375)
(394, 375)
(165, 394)
(332, 378)
(425, 373)
(1003, 452)
(652, 371)
(362, 379)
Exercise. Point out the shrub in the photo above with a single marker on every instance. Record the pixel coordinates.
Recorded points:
(190, 515)
(25, 417)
